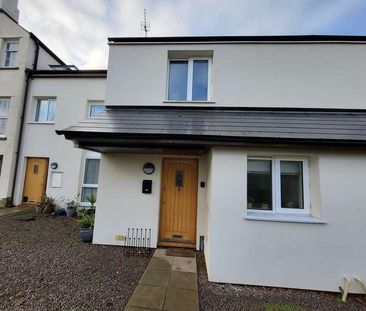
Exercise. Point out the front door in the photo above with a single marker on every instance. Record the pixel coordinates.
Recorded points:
(178, 211)
(35, 180)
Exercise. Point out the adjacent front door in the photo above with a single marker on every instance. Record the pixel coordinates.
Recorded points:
(35, 180)
(178, 211)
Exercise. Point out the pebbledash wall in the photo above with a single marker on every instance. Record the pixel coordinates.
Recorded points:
(73, 96)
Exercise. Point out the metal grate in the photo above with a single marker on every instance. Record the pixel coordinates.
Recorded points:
(138, 242)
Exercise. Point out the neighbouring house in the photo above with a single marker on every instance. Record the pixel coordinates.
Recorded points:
(249, 148)
(20, 50)
(47, 162)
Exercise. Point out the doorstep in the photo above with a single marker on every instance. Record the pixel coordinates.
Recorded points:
(168, 283)
(16, 210)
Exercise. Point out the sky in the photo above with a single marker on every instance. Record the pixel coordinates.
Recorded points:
(77, 30)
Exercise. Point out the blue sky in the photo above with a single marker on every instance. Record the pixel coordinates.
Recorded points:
(77, 30)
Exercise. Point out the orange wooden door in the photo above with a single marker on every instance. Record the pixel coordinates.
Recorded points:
(35, 179)
(178, 211)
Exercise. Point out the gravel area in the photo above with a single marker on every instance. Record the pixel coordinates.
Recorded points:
(215, 296)
(44, 266)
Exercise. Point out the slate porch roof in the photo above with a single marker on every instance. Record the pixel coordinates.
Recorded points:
(202, 127)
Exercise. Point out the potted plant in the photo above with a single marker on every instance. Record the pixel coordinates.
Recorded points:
(41, 205)
(71, 208)
(49, 205)
(86, 224)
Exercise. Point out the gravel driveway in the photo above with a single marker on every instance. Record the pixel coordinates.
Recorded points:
(44, 266)
(214, 296)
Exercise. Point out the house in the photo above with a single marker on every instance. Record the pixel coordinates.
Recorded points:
(47, 162)
(250, 148)
(20, 50)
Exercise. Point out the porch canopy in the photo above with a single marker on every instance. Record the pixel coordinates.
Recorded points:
(133, 128)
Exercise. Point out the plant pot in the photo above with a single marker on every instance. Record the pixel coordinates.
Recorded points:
(86, 234)
(70, 212)
(39, 209)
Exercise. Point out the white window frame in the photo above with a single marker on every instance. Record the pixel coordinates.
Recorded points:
(276, 185)
(38, 100)
(91, 104)
(5, 115)
(88, 156)
(190, 61)
(5, 51)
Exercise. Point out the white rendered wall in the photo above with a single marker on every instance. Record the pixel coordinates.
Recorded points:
(248, 75)
(121, 203)
(12, 84)
(295, 255)
(40, 140)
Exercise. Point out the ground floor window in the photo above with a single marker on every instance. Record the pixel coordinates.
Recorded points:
(278, 184)
(90, 177)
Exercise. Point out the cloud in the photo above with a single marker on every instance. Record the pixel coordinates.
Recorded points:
(77, 30)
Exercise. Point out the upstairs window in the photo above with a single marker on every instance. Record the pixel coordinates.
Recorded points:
(45, 110)
(278, 185)
(4, 111)
(189, 79)
(10, 53)
(95, 108)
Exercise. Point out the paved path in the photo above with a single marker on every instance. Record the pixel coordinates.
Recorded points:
(15, 210)
(168, 283)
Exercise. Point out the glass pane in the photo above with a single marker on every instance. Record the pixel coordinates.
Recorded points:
(86, 192)
(4, 105)
(51, 110)
(2, 126)
(291, 184)
(200, 80)
(259, 185)
(91, 171)
(42, 111)
(94, 109)
(178, 75)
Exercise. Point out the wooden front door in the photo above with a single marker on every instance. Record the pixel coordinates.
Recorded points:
(35, 180)
(178, 210)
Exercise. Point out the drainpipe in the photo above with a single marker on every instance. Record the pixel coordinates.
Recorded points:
(22, 118)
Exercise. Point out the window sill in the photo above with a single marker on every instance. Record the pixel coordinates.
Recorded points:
(8, 68)
(251, 215)
(42, 123)
(188, 102)
(2, 137)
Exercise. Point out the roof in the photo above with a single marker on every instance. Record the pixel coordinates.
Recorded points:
(192, 127)
(35, 38)
(68, 73)
(241, 39)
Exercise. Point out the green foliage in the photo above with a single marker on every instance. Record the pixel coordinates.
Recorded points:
(47, 203)
(281, 307)
(86, 220)
(92, 199)
(8, 202)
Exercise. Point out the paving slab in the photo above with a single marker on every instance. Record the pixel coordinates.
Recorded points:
(184, 264)
(155, 277)
(160, 252)
(161, 263)
(146, 296)
(186, 280)
(168, 283)
(178, 299)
